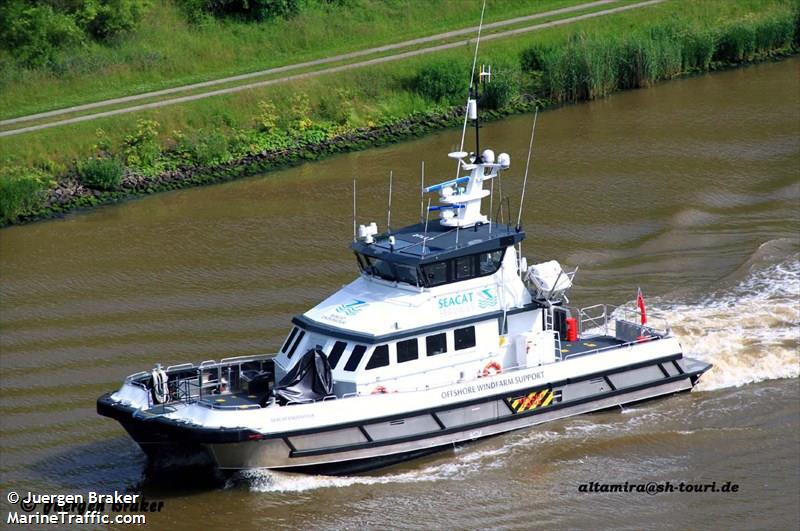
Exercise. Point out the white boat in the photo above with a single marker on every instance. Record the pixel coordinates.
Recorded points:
(445, 336)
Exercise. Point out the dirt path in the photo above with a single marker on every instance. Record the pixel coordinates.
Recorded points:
(327, 60)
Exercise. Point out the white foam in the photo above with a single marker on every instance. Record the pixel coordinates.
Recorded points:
(750, 331)
(469, 460)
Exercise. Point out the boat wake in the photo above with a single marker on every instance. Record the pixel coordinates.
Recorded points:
(468, 461)
(749, 330)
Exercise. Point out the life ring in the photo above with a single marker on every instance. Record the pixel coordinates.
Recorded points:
(379, 390)
(492, 365)
(160, 389)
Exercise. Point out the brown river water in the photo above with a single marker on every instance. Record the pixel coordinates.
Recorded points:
(690, 189)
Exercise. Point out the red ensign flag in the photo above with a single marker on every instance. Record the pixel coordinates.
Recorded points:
(640, 304)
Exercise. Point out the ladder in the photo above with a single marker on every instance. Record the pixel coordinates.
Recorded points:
(548, 325)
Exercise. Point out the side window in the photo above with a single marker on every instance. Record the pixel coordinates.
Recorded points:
(289, 340)
(464, 267)
(355, 358)
(435, 274)
(407, 350)
(379, 358)
(436, 344)
(488, 263)
(363, 265)
(464, 337)
(406, 274)
(296, 343)
(336, 353)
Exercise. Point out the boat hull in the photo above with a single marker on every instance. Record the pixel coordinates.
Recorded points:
(382, 442)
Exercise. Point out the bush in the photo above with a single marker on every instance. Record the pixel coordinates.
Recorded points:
(22, 192)
(698, 49)
(267, 116)
(104, 19)
(502, 87)
(209, 148)
(254, 10)
(444, 81)
(101, 173)
(533, 59)
(736, 42)
(34, 32)
(142, 149)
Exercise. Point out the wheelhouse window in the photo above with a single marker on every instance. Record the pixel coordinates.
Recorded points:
(381, 268)
(289, 340)
(355, 358)
(462, 268)
(386, 270)
(436, 344)
(336, 353)
(379, 358)
(407, 350)
(435, 274)
(464, 337)
(489, 263)
(407, 274)
(296, 344)
(465, 267)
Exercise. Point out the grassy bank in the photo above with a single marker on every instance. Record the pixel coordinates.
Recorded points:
(229, 136)
(169, 49)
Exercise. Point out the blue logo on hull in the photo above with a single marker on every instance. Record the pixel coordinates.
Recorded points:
(486, 299)
(352, 308)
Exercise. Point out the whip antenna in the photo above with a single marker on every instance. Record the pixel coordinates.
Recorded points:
(354, 209)
(527, 166)
(422, 194)
(389, 209)
(471, 81)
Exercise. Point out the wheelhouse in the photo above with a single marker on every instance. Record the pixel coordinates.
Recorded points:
(420, 258)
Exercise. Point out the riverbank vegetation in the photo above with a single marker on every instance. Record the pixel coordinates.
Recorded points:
(47, 61)
(233, 135)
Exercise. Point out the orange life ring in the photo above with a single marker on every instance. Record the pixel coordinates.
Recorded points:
(379, 390)
(492, 365)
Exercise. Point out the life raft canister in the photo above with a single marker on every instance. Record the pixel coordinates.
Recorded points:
(572, 329)
(492, 366)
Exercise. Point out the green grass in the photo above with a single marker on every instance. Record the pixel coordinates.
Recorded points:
(585, 60)
(168, 51)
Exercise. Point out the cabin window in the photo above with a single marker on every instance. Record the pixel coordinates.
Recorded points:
(407, 350)
(355, 358)
(289, 340)
(363, 264)
(336, 353)
(407, 274)
(296, 344)
(435, 274)
(382, 269)
(465, 267)
(489, 263)
(464, 337)
(436, 344)
(379, 358)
